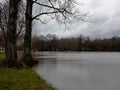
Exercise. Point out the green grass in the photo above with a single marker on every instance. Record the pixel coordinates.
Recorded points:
(2, 56)
(23, 79)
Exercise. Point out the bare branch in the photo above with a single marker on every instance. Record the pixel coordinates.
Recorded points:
(40, 20)
(3, 31)
(59, 9)
(44, 13)
(51, 3)
(20, 29)
(46, 5)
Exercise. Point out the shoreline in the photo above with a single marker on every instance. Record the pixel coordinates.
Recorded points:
(22, 79)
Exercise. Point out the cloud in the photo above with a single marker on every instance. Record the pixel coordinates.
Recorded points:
(106, 21)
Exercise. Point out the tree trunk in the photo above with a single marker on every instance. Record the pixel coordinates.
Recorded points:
(27, 57)
(10, 40)
(11, 54)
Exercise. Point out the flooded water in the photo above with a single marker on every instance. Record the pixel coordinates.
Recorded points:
(80, 71)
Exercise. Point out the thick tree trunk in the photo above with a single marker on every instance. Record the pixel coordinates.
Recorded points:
(10, 40)
(28, 32)
(11, 54)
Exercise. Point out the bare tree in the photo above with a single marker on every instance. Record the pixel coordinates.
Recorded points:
(4, 17)
(61, 10)
(4, 12)
(11, 27)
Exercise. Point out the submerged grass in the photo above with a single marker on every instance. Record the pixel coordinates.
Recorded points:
(23, 79)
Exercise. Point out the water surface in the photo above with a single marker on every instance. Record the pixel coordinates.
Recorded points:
(80, 70)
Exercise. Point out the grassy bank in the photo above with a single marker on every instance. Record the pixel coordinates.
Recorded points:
(24, 79)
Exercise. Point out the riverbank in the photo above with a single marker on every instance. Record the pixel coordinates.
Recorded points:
(22, 79)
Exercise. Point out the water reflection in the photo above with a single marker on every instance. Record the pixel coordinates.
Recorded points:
(81, 71)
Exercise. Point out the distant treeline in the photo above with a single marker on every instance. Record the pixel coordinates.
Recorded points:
(53, 43)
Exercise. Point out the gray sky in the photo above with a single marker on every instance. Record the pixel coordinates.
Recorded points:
(106, 21)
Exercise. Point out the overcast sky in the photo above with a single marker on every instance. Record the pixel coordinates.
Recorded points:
(106, 21)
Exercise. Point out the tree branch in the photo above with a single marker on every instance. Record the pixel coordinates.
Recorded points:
(3, 31)
(59, 9)
(45, 5)
(43, 13)
(51, 3)
(40, 20)
(21, 25)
